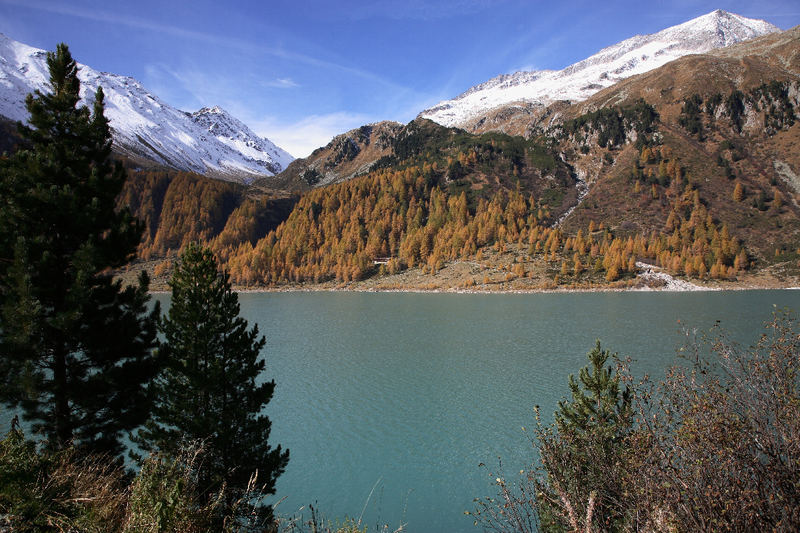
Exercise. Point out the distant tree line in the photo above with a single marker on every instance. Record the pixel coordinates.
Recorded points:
(771, 99)
(613, 125)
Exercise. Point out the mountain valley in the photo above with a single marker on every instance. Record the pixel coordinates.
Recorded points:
(685, 160)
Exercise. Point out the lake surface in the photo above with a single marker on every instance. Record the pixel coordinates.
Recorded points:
(388, 402)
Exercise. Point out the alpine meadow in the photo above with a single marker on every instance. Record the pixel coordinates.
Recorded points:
(562, 300)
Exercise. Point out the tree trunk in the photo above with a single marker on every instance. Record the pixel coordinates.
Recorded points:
(63, 426)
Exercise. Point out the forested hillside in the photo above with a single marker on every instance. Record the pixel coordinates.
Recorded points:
(180, 207)
(446, 197)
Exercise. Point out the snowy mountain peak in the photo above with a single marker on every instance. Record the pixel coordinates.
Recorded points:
(729, 28)
(235, 134)
(209, 141)
(220, 122)
(610, 65)
(212, 110)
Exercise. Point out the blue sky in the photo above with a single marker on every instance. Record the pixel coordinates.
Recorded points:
(300, 71)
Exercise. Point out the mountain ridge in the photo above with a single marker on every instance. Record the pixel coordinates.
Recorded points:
(146, 129)
(347, 155)
(576, 82)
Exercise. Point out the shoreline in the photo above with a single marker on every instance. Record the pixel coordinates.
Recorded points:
(649, 278)
(454, 290)
(494, 276)
(510, 291)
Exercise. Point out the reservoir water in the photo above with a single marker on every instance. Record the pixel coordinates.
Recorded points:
(388, 402)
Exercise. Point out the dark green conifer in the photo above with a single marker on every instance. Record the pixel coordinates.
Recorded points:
(211, 389)
(585, 457)
(605, 407)
(75, 345)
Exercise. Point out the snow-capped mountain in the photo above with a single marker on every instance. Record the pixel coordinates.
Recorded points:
(209, 141)
(579, 81)
(235, 134)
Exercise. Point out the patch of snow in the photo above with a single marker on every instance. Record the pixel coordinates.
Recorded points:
(583, 190)
(653, 274)
(787, 175)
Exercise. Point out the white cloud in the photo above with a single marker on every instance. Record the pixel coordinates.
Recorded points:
(281, 83)
(304, 136)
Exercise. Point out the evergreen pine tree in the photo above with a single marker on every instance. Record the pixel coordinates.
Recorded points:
(76, 347)
(584, 456)
(210, 388)
(605, 407)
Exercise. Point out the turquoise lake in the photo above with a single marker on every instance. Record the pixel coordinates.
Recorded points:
(388, 402)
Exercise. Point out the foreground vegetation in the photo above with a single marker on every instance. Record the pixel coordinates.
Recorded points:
(80, 360)
(715, 446)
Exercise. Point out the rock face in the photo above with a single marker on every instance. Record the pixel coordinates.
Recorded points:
(145, 129)
(578, 82)
(346, 156)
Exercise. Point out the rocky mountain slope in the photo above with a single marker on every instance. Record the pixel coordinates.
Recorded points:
(727, 134)
(346, 156)
(533, 91)
(145, 129)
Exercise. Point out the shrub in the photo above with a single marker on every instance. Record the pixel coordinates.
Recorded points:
(165, 496)
(724, 436)
(715, 446)
(42, 490)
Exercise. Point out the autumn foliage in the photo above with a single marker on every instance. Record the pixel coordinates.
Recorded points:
(403, 219)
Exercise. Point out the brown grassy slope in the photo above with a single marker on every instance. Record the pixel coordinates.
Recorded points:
(612, 198)
(763, 161)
